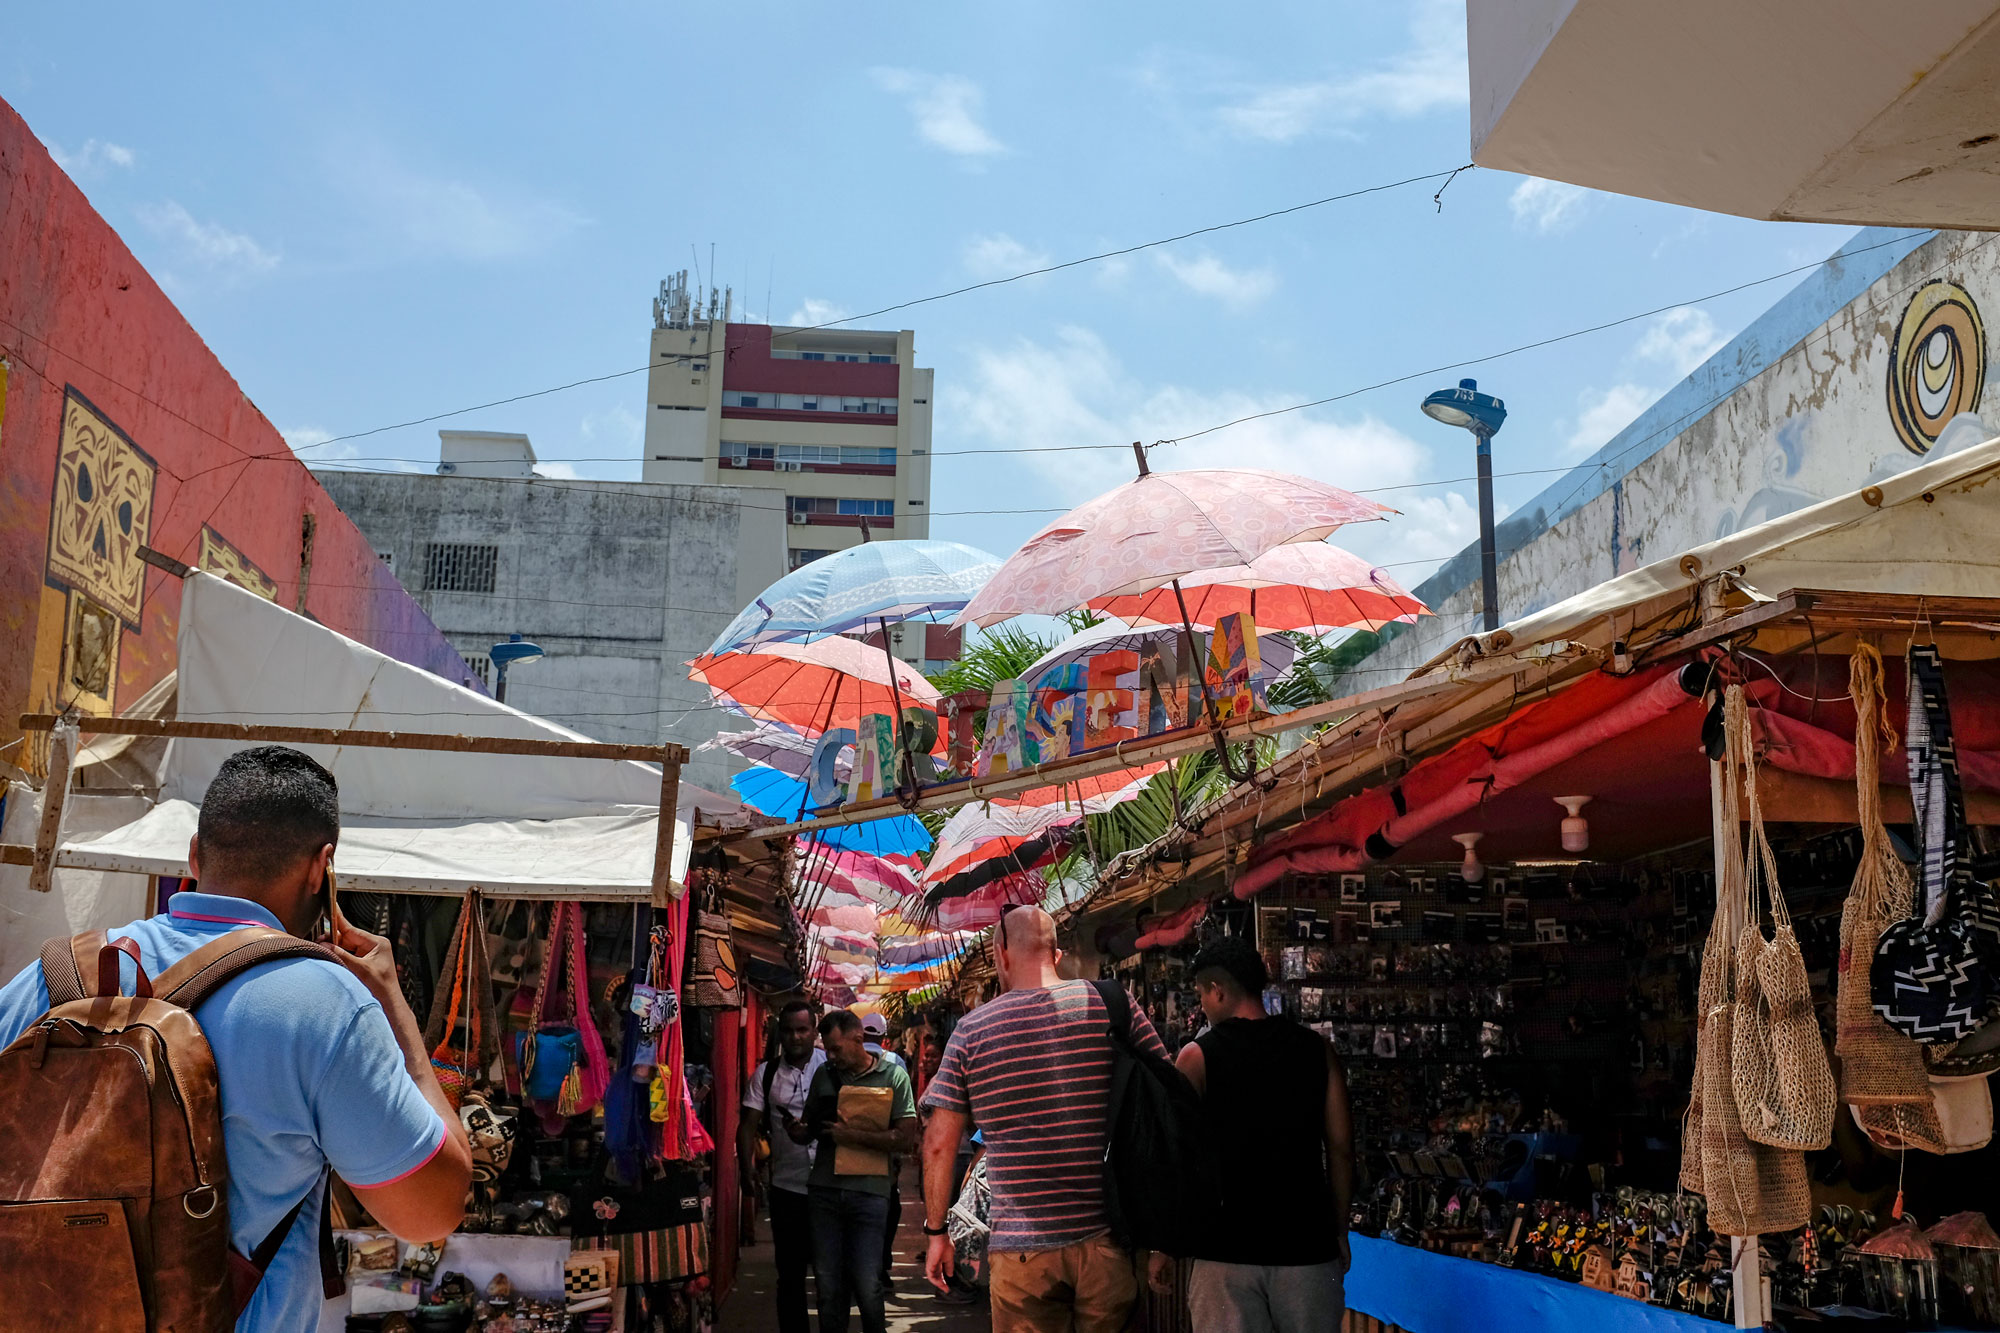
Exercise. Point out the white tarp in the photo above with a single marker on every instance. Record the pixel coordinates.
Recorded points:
(414, 821)
(1928, 532)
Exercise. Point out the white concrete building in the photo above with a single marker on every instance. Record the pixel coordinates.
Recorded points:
(620, 582)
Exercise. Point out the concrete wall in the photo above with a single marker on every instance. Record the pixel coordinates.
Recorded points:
(1879, 360)
(621, 583)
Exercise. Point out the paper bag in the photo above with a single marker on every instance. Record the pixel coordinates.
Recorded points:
(863, 1108)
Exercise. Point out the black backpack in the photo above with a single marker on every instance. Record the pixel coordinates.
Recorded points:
(1159, 1186)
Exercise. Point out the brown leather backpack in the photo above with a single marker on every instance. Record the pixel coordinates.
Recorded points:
(114, 1212)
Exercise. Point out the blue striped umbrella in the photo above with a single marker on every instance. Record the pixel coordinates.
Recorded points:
(860, 587)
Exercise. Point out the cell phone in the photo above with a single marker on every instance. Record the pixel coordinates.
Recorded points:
(328, 892)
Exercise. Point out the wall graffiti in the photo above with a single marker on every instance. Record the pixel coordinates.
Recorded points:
(1937, 363)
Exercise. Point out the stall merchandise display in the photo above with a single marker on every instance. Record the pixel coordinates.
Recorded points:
(583, 1120)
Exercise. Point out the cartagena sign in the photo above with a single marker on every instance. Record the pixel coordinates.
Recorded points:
(1069, 709)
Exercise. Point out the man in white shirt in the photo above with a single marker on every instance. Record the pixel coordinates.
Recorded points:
(776, 1096)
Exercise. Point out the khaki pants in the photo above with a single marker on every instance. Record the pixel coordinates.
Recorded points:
(1088, 1287)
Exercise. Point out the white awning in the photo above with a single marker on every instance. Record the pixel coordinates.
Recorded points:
(413, 821)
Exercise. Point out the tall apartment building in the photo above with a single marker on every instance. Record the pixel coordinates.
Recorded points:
(833, 426)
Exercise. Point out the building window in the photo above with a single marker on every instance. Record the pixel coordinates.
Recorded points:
(735, 453)
(458, 567)
(801, 556)
(482, 667)
(811, 405)
(877, 359)
(812, 356)
(916, 504)
(869, 508)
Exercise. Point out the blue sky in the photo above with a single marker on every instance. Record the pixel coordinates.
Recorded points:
(374, 214)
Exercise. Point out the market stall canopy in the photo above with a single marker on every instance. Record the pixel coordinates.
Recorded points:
(414, 821)
(1587, 697)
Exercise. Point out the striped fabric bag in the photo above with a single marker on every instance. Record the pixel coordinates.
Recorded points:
(664, 1255)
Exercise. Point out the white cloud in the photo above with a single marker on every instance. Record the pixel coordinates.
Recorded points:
(945, 107)
(556, 470)
(428, 215)
(614, 428)
(999, 255)
(312, 440)
(95, 155)
(1604, 412)
(1209, 276)
(813, 311)
(1547, 206)
(1073, 390)
(1429, 75)
(207, 243)
(1681, 339)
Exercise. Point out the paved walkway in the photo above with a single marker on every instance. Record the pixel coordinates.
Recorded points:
(913, 1309)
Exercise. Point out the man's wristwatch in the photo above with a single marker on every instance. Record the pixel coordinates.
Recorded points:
(929, 1230)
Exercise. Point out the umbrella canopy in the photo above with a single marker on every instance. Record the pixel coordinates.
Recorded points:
(857, 587)
(811, 687)
(1157, 528)
(777, 747)
(1276, 653)
(1303, 585)
(782, 796)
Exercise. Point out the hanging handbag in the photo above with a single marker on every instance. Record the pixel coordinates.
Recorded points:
(563, 1064)
(715, 984)
(463, 1031)
(1933, 977)
(1751, 1188)
(1784, 1088)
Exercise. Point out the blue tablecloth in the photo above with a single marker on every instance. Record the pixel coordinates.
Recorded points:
(1435, 1293)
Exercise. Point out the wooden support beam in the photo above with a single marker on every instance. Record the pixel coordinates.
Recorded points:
(664, 888)
(1129, 754)
(55, 789)
(16, 854)
(381, 740)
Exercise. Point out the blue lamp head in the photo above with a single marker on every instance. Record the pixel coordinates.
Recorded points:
(1466, 407)
(515, 650)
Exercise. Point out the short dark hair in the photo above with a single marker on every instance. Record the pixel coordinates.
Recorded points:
(838, 1020)
(790, 1007)
(269, 808)
(1236, 958)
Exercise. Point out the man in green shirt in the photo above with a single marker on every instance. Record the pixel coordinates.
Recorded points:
(850, 1213)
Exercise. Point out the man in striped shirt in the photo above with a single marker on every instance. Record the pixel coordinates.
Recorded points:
(1032, 1071)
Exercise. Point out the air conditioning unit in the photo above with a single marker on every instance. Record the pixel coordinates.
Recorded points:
(798, 520)
(738, 462)
(791, 467)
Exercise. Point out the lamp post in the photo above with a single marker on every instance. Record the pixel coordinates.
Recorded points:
(1482, 414)
(504, 655)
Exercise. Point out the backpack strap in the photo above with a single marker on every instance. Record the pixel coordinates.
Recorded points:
(195, 977)
(1119, 1007)
(63, 965)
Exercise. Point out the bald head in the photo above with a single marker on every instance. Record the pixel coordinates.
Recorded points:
(1025, 951)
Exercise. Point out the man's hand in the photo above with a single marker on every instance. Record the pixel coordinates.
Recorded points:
(940, 1262)
(797, 1130)
(1160, 1272)
(1346, 1254)
(370, 959)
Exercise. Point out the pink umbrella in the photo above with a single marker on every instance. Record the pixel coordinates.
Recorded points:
(1305, 585)
(1158, 528)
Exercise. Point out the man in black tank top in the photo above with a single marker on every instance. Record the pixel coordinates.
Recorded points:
(1274, 1105)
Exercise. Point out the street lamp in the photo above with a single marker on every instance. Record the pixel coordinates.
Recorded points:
(1480, 413)
(504, 655)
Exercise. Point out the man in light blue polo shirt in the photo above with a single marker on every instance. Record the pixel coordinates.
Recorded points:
(318, 1064)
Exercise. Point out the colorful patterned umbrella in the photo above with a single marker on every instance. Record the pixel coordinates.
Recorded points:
(1277, 653)
(860, 587)
(1160, 527)
(1305, 585)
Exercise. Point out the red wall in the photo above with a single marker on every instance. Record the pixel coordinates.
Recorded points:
(750, 368)
(81, 321)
